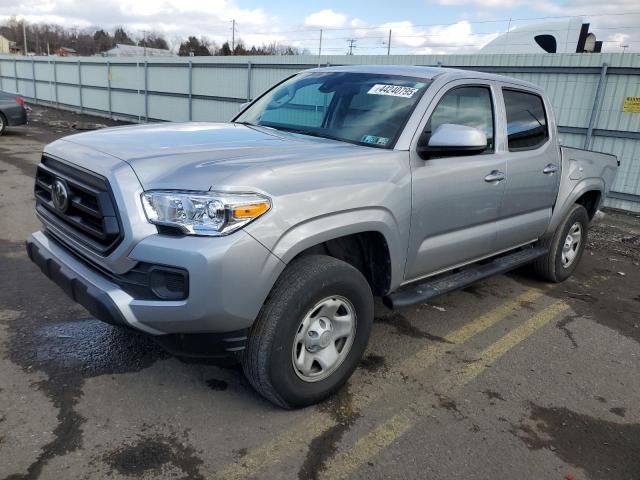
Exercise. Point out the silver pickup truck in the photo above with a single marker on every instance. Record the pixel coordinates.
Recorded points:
(268, 237)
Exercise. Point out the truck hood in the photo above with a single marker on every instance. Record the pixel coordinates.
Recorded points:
(203, 156)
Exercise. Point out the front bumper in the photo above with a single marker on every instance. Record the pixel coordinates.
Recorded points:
(229, 277)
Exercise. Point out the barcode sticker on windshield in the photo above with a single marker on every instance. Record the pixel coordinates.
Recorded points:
(392, 90)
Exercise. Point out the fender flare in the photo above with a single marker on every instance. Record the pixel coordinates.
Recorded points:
(564, 204)
(317, 230)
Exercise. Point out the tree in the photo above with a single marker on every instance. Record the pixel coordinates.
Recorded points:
(225, 49)
(153, 40)
(120, 36)
(42, 38)
(194, 47)
(103, 41)
(240, 49)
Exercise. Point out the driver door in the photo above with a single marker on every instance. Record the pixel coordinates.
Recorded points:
(456, 199)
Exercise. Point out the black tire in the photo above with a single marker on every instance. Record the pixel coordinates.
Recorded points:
(267, 360)
(3, 123)
(550, 267)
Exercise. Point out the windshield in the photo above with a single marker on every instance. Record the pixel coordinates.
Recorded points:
(363, 108)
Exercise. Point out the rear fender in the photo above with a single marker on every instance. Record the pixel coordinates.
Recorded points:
(568, 195)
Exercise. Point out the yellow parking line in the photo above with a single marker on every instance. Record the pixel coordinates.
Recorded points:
(287, 444)
(347, 461)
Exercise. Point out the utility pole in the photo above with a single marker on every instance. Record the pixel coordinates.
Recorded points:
(24, 35)
(320, 48)
(389, 44)
(507, 37)
(144, 42)
(233, 36)
(352, 43)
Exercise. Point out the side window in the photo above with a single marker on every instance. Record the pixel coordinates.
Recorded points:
(526, 120)
(470, 106)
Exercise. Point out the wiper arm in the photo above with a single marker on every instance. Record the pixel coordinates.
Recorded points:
(311, 133)
(259, 125)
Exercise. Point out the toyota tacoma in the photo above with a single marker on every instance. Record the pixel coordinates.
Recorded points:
(268, 237)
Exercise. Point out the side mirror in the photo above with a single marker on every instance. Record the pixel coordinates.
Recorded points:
(454, 140)
(243, 106)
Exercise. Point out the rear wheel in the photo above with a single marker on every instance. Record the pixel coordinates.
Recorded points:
(3, 123)
(565, 246)
(310, 333)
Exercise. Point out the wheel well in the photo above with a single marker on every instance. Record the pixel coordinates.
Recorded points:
(366, 251)
(590, 200)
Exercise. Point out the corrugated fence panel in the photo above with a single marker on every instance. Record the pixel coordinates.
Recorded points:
(152, 89)
(94, 75)
(95, 99)
(162, 106)
(169, 79)
(220, 82)
(213, 110)
(611, 115)
(68, 95)
(67, 72)
(130, 76)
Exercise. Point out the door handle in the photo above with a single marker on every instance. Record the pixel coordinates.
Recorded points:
(495, 176)
(549, 169)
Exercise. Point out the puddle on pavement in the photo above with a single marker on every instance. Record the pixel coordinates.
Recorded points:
(604, 450)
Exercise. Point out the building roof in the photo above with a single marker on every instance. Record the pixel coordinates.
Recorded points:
(121, 50)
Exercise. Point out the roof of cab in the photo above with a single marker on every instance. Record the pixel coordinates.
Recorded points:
(428, 73)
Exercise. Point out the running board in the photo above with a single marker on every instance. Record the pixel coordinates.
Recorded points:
(421, 292)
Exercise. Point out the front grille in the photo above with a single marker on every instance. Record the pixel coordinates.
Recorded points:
(91, 216)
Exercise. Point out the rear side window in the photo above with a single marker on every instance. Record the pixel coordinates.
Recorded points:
(526, 120)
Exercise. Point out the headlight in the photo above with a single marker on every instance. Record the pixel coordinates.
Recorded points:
(203, 213)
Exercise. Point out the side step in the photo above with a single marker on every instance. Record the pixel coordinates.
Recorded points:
(422, 292)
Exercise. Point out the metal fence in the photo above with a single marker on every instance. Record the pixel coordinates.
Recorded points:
(587, 90)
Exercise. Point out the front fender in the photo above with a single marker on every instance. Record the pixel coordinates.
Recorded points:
(339, 224)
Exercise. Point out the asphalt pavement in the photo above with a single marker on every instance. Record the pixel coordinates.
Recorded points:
(511, 378)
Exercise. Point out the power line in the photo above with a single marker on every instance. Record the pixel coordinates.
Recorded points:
(386, 26)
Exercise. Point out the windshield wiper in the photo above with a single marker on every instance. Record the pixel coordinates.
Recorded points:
(311, 133)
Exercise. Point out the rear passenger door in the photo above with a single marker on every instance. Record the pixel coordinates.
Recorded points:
(533, 169)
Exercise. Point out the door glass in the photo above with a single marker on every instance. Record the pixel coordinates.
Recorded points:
(470, 106)
(526, 120)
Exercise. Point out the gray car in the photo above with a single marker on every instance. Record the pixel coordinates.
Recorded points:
(12, 111)
(268, 237)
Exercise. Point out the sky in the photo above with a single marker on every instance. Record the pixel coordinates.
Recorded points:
(417, 26)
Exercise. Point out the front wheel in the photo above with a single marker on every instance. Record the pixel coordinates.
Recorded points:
(311, 332)
(565, 246)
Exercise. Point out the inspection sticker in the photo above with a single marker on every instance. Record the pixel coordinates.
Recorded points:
(392, 90)
(631, 104)
(374, 139)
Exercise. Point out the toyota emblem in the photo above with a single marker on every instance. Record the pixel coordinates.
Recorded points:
(60, 195)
